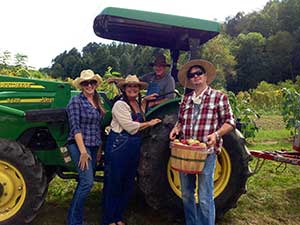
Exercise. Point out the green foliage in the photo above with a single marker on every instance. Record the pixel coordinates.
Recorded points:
(274, 60)
(5, 58)
(266, 97)
(109, 73)
(250, 56)
(291, 108)
(279, 51)
(110, 89)
(20, 71)
(219, 52)
(244, 114)
(21, 60)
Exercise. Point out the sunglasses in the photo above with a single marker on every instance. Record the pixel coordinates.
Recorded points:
(88, 82)
(192, 75)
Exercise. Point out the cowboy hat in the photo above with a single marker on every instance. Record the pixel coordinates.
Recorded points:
(160, 60)
(132, 79)
(210, 72)
(87, 75)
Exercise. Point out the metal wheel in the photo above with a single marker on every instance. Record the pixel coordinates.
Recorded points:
(12, 190)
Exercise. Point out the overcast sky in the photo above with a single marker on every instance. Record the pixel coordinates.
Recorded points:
(42, 29)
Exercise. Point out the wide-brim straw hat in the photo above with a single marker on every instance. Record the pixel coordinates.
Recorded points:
(209, 69)
(132, 79)
(87, 75)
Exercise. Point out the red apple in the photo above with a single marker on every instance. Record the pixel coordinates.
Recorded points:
(184, 141)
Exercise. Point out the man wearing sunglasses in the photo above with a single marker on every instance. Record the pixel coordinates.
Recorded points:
(205, 115)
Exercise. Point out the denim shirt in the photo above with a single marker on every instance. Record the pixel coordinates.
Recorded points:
(84, 119)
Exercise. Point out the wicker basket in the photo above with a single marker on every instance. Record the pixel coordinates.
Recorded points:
(188, 159)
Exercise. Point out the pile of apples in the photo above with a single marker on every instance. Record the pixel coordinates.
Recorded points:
(190, 142)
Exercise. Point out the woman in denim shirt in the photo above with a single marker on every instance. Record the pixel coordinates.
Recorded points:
(84, 113)
(123, 149)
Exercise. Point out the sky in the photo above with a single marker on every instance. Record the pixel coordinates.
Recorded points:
(43, 29)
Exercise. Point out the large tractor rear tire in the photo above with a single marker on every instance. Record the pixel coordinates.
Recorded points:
(160, 184)
(23, 184)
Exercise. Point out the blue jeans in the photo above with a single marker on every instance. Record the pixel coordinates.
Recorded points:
(204, 212)
(84, 185)
(121, 161)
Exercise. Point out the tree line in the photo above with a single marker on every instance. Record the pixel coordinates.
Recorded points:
(260, 46)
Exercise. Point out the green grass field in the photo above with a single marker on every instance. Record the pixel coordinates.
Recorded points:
(273, 194)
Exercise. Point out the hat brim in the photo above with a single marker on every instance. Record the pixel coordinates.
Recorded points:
(209, 68)
(122, 84)
(155, 64)
(78, 80)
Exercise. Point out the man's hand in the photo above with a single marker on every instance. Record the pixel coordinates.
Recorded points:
(211, 140)
(174, 132)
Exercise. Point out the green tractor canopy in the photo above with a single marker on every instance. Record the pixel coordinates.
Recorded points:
(153, 29)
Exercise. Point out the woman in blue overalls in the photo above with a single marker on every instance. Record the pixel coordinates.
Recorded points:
(123, 149)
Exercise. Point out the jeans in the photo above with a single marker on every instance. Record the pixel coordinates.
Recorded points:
(84, 185)
(202, 213)
(121, 161)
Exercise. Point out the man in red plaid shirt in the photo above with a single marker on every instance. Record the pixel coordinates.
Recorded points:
(205, 115)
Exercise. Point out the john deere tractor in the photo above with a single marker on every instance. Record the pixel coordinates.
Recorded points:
(34, 128)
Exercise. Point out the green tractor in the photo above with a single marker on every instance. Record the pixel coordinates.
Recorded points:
(34, 128)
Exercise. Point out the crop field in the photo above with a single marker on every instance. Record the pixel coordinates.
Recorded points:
(273, 194)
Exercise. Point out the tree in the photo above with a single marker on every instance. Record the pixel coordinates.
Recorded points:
(57, 71)
(5, 58)
(251, 66)
(219, 52)
(234, 26)
(279, 51)
(67, 64)
(288, 15)
(21, 60)
(126, 65)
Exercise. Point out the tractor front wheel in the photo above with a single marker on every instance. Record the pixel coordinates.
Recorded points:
(23, 184)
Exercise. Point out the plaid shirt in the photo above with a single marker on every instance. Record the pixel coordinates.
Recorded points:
(84, 119)
(208, 117)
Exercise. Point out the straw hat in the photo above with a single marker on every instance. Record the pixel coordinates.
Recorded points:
(132, 79)
(87, 75)
(209, 68)
(160, 60)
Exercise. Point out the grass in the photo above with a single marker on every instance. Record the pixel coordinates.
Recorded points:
(273, 195)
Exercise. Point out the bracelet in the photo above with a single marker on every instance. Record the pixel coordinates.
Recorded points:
(218, 137)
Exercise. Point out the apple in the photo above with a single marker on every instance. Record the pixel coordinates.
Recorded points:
(202, 145)
(195, 144)
(176, 141)
(184, 141)
(193, 141)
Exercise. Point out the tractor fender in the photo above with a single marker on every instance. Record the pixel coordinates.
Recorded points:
(159, 110)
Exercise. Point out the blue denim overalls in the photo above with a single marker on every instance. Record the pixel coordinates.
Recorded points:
(122, 154)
